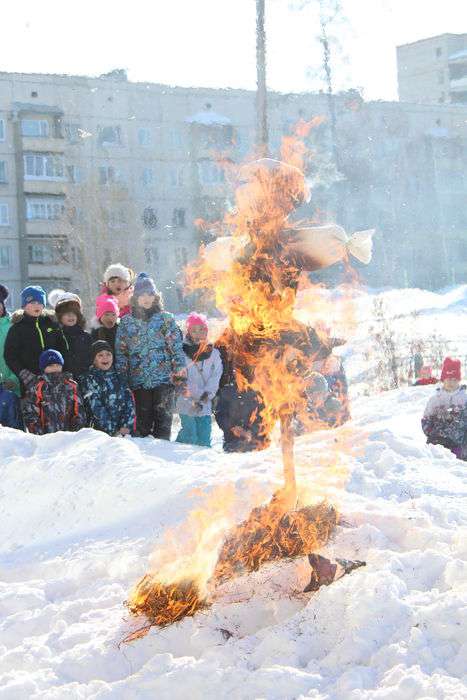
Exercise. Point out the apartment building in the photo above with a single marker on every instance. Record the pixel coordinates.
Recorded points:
(433, 70)
(100, 169)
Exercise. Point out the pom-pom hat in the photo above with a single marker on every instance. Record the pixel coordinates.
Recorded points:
(117, 270)
(50, 357)
(145, 285)
(451, 369)
(106, 303)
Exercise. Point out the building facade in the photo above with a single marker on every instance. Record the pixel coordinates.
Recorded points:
(433, 70)
(94, 170)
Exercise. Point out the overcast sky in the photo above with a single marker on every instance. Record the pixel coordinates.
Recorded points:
(212, 42)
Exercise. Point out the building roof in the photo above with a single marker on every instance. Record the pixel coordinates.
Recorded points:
(431, 38)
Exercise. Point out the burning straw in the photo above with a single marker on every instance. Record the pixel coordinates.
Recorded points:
(254, 276)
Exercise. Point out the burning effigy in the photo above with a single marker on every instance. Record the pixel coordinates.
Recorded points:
(254, 275)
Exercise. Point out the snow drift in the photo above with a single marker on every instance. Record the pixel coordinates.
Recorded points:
(80, 515)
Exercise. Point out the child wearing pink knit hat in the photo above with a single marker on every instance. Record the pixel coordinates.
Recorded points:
(204, 370)
(107, 315)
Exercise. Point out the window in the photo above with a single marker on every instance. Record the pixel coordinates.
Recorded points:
(108, 175)
(110, 136)
(176, 176)
(4, 215)
(39, 166)
(44, 208)
(73, 133)
(178, 218)
(3, 171)
(151, 255)
(2, 130)
(439, 51)
(41, 254)
(148, 177)
(210, 173)
(116, 218)
(175, 138)
(5, 256)
(75, 173)
(150, 218)
(34, 127)
(441, 77)
(181, 257)
(144, 136)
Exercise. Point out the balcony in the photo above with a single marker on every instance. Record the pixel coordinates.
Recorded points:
(43, 186)
(44, 228)
(43, 144)
(49, 270)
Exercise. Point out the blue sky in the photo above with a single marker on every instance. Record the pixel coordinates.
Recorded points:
(212, 42)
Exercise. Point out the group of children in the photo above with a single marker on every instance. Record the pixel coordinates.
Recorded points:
(127, 376)
(134, 369)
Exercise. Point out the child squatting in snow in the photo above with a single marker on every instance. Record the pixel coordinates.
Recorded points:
(445, 419)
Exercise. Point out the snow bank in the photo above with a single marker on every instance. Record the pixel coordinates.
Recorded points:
(80, 515)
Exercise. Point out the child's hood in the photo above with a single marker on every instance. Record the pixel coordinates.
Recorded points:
(18, 315)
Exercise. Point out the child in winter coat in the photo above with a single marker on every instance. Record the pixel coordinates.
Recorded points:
(10, 414)
(68, 311)
(149, 355)
(445, 419)
(118, 281)
(107, 312)
(426, 377)
(204, 370)
(9, 379)
(108, 399)
(238, 411)
(32, 331)
(53, 401)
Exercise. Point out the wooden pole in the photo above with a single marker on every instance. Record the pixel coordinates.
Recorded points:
(261, 93)
(287, 445)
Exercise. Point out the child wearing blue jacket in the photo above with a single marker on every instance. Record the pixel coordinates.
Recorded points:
(107, 397)
(149, 354)
(10, 414)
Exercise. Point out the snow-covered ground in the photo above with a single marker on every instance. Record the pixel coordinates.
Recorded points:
(81, 514)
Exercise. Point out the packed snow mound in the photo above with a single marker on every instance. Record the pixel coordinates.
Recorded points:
(81, 513)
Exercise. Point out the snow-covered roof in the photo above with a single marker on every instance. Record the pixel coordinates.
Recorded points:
(458, 55)
(209, 118)
(460, 84)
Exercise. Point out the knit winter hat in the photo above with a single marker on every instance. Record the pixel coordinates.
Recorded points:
(4, 293)
(100, 346)
(50, 357)
(195, 319)
(32, 293)
(117, 270)
(451, 369)
(59, 296)
(144, 285)
(105, 303)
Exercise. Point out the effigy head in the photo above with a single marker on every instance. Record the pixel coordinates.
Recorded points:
(268, 185)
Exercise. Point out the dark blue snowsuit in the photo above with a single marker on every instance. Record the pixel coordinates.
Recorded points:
(109, 401)
(10, 414)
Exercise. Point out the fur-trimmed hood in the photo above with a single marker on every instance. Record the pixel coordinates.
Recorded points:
(19, 313)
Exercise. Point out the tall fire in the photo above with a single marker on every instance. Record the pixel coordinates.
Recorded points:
(254, 275)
